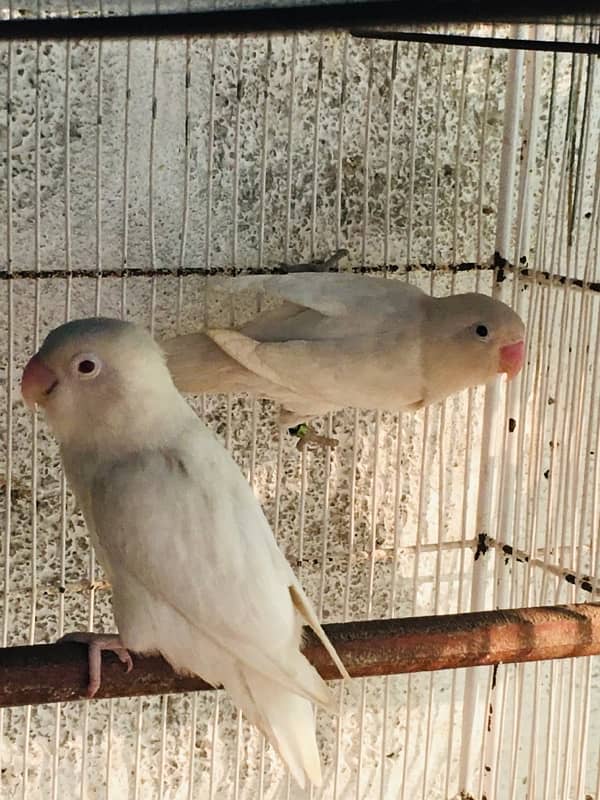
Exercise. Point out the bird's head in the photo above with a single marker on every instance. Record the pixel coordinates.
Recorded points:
(474, 338)
(95, 376)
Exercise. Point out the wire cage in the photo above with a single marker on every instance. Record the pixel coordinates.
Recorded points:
(133, 170)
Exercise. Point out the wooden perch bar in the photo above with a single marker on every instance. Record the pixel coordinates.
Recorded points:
(51, 673)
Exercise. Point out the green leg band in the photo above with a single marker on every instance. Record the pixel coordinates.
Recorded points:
(299, 430)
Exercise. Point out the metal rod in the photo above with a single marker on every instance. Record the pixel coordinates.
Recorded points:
(50, 673)
(497, 42)
(489, 499)
(503, 267)
(290, 17)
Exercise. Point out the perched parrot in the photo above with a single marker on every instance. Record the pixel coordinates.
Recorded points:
(195, 570)
(342, 340)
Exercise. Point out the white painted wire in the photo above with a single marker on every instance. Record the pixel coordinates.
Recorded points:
(151, 180)
(191, 757)
(493, 398)
(240, 85)
(468, 462)
(111, 711)
(562, 687)
(371, 573)
(389, 150)
(214, 727)
(340, 143)
(462, 583)
(162, 756)
(505, 508)
(63, 484)
(186, 156)
(431, 678)
(412, 157)
(210, 155)
(290, 148)
(98, 285)
(393, 61)
(588, 486)
(35, 423)
(511, 469)
(337, 787)
(584, 416)
(315, 148)
(10, 332)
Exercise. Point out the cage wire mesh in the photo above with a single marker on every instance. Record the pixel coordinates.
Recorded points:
(134, 170)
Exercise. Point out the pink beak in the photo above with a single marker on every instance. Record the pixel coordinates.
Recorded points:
(37, 382)
(511, 358)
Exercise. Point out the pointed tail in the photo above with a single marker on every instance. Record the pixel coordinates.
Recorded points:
(197, 364)
(304, 608)
(285, 718)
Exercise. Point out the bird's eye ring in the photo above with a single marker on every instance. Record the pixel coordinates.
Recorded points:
(86, 365)
(482, 331)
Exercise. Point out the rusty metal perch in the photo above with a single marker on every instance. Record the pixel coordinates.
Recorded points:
(51, 673)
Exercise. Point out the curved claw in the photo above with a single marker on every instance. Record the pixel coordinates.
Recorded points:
(125, 658)
(96, 643)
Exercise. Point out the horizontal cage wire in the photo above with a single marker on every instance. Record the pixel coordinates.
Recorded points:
(135, 170)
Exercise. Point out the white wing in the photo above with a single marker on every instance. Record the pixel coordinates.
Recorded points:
(185, 524)
(332, 294)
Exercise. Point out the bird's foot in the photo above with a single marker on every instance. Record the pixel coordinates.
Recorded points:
(318, 265)
(307, 437)
(97, 642)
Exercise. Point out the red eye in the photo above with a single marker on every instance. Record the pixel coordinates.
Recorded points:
(86, 366)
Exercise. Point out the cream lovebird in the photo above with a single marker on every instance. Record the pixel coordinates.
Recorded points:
(344, 340)
(195, 570)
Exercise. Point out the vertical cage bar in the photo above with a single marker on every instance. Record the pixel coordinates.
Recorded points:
(491, 415)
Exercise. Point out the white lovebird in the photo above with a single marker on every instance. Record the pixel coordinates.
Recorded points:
(341, 340)
(195, 570)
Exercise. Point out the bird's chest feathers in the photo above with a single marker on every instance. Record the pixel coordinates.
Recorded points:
(126, 502)
(81, 480)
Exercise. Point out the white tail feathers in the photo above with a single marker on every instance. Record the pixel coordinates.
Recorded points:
(306, 611)
(246, 351)
(285, 718)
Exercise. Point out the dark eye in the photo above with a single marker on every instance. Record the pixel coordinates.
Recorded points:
(86, 366)
(482, 331)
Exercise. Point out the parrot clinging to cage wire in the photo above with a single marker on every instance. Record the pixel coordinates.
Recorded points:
(341, 340)
(195, 570)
